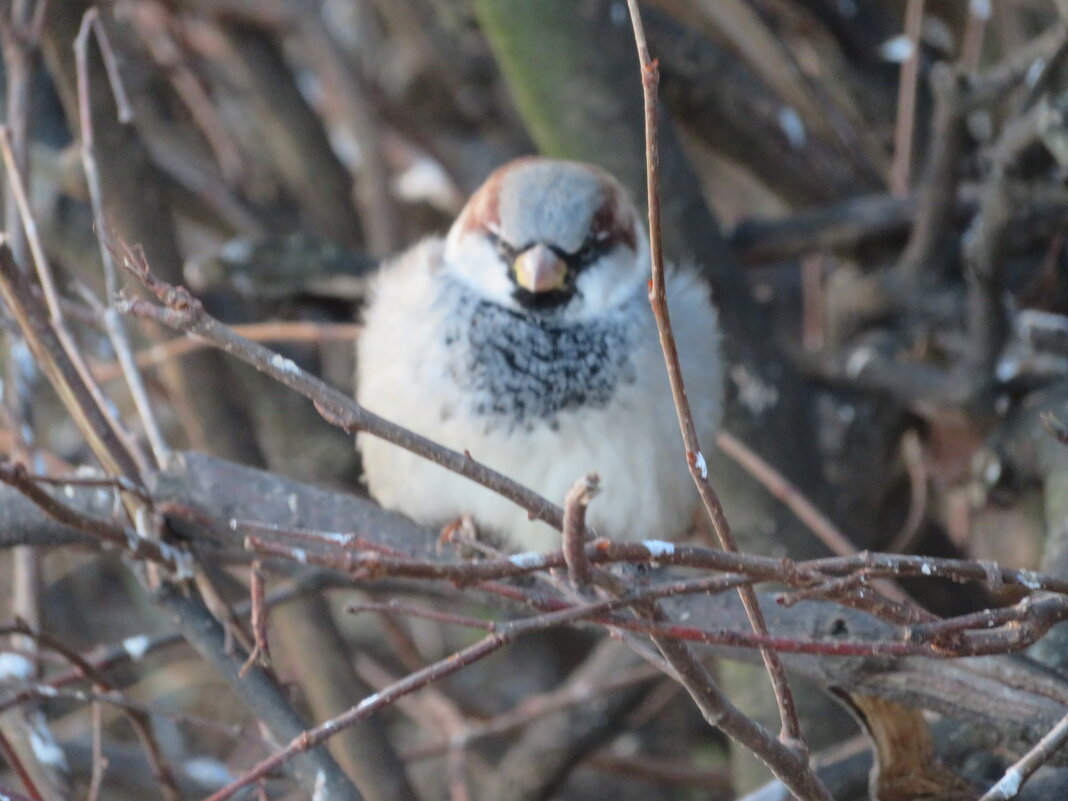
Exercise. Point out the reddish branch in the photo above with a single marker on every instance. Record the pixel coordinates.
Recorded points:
(261, 651)
(791, 727)
(931, 639)
(8, 752)
(578, 498)
(989, 632)
(501, 636)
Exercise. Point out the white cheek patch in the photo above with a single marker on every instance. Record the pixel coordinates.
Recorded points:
(611, 280)
(472, 258)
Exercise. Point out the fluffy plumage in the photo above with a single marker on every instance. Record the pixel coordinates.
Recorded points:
(544, 384)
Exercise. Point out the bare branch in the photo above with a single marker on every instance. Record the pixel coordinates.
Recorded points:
(695, 459)
(1009, 785)
(578, 498)
(183, 312)
(112, 323)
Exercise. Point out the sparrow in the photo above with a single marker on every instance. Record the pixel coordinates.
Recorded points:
(525, 337)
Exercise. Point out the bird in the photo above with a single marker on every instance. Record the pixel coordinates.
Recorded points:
(525, 338)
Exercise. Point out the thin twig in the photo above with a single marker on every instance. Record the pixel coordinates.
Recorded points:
(20, 40)
(348, 540)
(781, 487)
(807, 512)
(135, 648)
(140, 721)
(971, 46)
(8, 752)
(786, 761)
(578, 498)
(505, 634)
(314, 769)
(115, 699)
(346, 100)
(575, 692)
(430, 709)
(906, 101)
(438, 616)
(973, 634)
(915, 466)
(119, 483)
(1009, 785)
(153, 22)
(183, 312)
(377, 564)
(106, 531)
(111, 66)
(985, 244)
(113, 324)
(261, 651)
(937, 192)
(275, 331)
(100, 762)
(791, 726)
(61, 365)
(71, 362)
(29, 226)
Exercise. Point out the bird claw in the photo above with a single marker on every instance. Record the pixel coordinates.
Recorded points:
(462, 531)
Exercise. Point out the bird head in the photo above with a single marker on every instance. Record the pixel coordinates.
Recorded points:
(550, 236)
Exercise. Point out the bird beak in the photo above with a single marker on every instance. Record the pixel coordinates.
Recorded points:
(538, 269)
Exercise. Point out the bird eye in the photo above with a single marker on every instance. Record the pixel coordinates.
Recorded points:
(590, 250)
(507, 253)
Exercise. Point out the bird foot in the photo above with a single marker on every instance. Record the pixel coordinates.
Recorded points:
(462, 531)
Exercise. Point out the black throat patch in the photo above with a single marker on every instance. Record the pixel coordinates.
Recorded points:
(525, 367)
